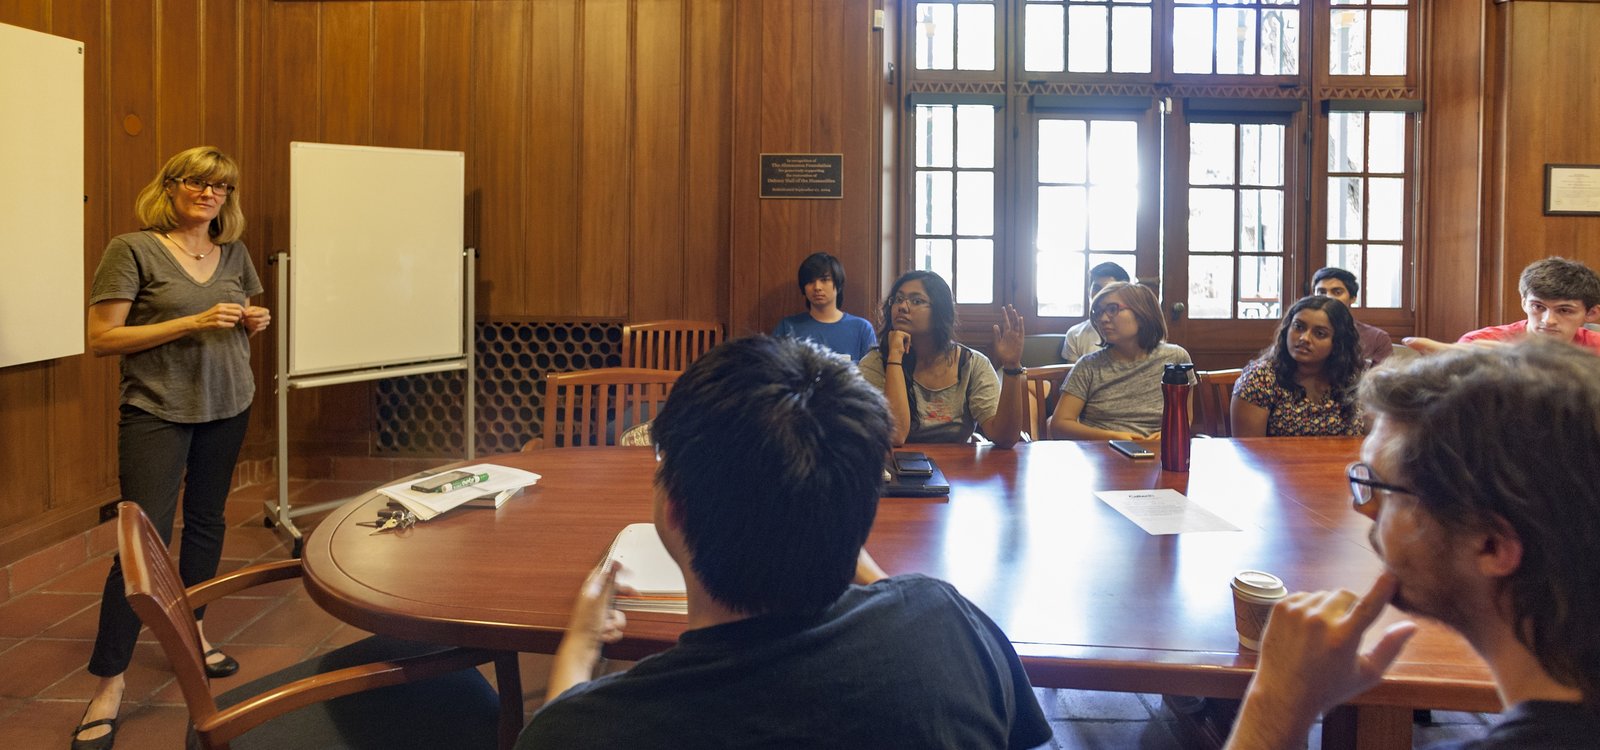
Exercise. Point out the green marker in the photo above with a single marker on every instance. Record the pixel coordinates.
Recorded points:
(450, 481)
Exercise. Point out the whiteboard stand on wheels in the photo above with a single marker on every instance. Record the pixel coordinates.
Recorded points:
(380, 285)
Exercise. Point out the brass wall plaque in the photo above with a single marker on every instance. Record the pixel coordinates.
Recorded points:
(802, 176)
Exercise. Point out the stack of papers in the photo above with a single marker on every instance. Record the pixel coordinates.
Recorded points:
(648, 568)
(503, 482)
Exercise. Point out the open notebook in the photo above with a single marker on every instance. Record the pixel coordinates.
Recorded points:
(648, 568)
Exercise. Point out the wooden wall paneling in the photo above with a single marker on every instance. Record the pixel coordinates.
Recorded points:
(344, 67)
(499, 149)
(446, 85)
(550, 248)
(133, 158)
(786, 119)
(1572, 127)
(708, 138)
(397, 56)
(830, 103)
(745, 226)
(183, 77)
(1453, 164)
(84, 388)
(886, 100)
(24, 411)
(28, 14)
(605, 157)
(847, 122)
(656, 279)
(221, 118)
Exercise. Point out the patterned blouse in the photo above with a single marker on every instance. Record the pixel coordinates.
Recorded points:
(1289, 416)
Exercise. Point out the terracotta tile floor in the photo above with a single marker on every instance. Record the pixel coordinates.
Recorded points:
(46, 632)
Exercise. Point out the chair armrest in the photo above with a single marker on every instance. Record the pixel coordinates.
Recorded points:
(237, 719)
(205, 592)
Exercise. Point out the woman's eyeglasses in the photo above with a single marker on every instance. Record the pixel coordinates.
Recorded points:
(196, 185)
(1110, 310)
(912, 301)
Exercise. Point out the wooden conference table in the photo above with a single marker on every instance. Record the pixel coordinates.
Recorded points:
(1089, 599)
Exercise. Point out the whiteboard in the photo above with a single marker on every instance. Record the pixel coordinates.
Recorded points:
(375, 248)
(41, 196)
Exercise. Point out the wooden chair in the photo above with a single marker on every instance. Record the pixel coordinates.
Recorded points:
(1044, 389)
(667, 344)
(595, 407)
(1212, 398)
(378, 692)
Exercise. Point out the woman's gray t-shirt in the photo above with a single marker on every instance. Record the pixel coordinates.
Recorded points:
(204, 376)
(1122, 396)
(948, 415)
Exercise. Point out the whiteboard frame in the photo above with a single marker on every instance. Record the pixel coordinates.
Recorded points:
(377, 235)
(41, 196)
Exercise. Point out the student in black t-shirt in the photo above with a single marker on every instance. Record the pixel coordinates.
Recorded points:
(1478, 472)
(771, 456)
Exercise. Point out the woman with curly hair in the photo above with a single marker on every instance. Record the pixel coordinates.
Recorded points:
(1305, 382)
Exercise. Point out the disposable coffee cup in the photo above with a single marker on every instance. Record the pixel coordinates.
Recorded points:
(1254, 593)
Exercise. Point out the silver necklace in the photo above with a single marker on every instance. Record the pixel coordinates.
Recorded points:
(185, 251)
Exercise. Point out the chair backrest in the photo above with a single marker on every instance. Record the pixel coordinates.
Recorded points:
(1212, 398)
(667, 344)
(157, 594)
(1044, 389)
(595, 407)
(1039, 349)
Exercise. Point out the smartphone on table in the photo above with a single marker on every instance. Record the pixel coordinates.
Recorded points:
(912, 464)
(1131, 449)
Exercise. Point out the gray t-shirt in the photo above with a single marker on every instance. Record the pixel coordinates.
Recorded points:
(948, 415)
(204, 376)
(1122, 396)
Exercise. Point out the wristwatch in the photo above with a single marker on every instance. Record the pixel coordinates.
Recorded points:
(1014, 370)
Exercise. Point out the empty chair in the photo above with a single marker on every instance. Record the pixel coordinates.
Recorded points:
(1212, 398)
(378, 692)
(667, 344)
(596, 407)
(1044, 388)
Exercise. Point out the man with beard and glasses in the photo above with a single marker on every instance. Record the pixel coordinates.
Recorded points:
(1478, 474)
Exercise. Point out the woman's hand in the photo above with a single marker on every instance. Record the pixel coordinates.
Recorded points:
(256, 319)
(899, 345)
(1008, 340)
(221, 315)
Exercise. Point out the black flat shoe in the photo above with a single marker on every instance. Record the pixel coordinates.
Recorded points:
(224, 668)
(103, 742)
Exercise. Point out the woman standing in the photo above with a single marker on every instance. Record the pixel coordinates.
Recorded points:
(1305, 382)
(173, 300)
(1115, 393)
(938, 390)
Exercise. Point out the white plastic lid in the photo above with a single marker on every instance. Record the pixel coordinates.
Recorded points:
(1258, 583)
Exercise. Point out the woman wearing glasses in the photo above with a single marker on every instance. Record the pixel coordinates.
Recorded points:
(1305, 382)
(173, 301)
(1115, 393)
(938, 390)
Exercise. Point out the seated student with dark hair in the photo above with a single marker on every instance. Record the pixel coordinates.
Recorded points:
(1083, 338)
(821, 282)
(1477, 475)
(1558, 295)
(771, 457)
(1304, 384)
(1376, 345)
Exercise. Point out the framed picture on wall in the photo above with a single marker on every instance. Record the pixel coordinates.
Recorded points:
(1572, 189)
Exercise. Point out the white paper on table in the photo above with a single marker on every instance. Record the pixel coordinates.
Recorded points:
(1164, 511)
(426, 505)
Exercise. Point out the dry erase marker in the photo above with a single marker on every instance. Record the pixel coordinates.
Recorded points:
(449, 481)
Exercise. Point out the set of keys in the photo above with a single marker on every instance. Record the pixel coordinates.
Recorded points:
(390, 520)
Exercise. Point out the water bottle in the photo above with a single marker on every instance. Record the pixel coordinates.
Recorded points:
(1175, 432)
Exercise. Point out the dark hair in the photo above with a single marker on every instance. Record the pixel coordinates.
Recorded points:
(1558, 278)
(1343, 367)
(942, 321)
(1338, 274)
(771, 458)
(1146, 309)
(1506, 436)
(1110, 270)
(816, 266)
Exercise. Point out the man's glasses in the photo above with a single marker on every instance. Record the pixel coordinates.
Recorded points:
(196, 185)
(1363, 488)
(1110, 310)
(913, 301)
